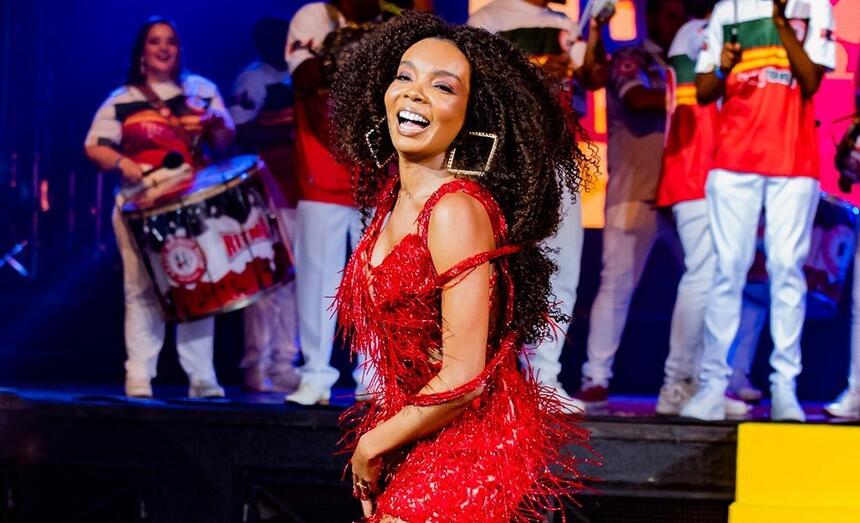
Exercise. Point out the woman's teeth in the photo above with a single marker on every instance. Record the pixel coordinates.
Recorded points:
(408, 117)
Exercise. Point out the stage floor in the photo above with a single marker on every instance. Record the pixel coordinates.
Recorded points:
(620, 408)
(70, 453)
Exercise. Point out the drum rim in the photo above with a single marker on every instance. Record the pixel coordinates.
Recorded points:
(232, 306)
(198, 196)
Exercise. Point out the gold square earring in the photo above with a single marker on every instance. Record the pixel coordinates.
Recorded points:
(487, 164)
(374, 151)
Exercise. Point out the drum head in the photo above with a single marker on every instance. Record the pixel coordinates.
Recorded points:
(222, 172)
(205, 183)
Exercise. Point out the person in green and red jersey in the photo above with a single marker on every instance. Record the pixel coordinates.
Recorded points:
(690, 140)
(766, 60)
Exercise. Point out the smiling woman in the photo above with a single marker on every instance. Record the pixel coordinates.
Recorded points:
(449, 280)
(160, 113)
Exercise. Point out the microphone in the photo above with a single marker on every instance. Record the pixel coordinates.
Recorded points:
(171, 160)
(734, 33)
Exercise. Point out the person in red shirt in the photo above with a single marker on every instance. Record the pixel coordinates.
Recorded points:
(766, 60)
(327, 222)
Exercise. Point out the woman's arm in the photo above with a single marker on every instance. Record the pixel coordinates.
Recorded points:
(459, 228)
(108, 159)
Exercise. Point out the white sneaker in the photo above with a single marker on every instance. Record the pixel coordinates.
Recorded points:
(708, 404)
(784, 405)
(673, 396)
(847, 405)
(138, 388)
(205, 390)
(736, 408)
(308, 395)
(570, 404)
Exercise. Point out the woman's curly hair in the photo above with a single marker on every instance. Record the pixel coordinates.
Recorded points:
(536, 156)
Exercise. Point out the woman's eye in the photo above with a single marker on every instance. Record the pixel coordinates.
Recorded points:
(445, 87)
(402, 77)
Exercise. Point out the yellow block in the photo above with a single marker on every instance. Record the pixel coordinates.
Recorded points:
(740, 513)
(802, 473)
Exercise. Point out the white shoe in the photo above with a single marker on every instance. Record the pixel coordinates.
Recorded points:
(847, 405)
(138, 388)
(308, 395)
(736, 408)
(784, 405)
(708, 404)
(673, 396)
(205, 390)
(570, 404)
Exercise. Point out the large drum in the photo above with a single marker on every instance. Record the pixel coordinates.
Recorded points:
(213, 244)
(834, 237)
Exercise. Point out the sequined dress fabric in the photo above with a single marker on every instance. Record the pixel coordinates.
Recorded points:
(511, 452)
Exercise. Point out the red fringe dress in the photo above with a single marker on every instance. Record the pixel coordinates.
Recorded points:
(510, 452)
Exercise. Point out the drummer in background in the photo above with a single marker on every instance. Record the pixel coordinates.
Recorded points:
(327, 217)
(263, 111)
(847, 405)
(766, 155)
(160, 109)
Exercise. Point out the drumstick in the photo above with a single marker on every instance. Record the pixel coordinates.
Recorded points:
(172, 160)
(585, 17)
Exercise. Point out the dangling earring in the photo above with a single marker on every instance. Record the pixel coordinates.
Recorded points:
(490, 157)
(142, 66)
(374, 151)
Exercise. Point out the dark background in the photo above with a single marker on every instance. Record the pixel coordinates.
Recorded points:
(63, 325)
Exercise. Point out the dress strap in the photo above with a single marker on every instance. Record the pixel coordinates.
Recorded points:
(474, 261)
(500, 231)
(470, 187)
(507, 349)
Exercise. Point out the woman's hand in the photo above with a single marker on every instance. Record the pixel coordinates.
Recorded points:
(366, 469)
(192, 124)
(212, 119)
(197, 123)
(130, 170)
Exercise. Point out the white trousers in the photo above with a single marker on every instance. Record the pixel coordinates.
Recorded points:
(854, 372)
(625, 252)
(567, 242)
(271, 323)
(322, 232)
(686, 337)
(753, 317)
(735, 203)
(145, 327)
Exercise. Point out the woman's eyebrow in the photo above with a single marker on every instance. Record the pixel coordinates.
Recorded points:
(440, 72)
